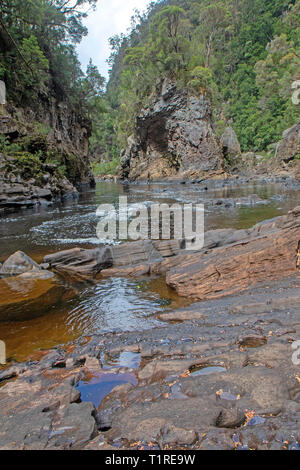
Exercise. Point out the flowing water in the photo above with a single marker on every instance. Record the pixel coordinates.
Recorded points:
(117, 304)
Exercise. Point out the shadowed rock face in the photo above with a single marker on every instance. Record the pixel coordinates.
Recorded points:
(231, 147)
(289, 147)
(18, 192)
(66, 137)
(174, 138)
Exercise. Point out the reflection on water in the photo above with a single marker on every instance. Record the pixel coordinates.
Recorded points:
(96, 387)
(117, 304)
(111, 305)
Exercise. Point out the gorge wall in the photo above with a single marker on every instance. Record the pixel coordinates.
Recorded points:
(44, 154)
(174, 139)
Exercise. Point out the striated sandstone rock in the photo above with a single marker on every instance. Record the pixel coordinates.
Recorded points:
(81, 264)
(270, 252)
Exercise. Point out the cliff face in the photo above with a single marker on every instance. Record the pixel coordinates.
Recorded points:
(174, 139)
(44, 153)
(67, 132)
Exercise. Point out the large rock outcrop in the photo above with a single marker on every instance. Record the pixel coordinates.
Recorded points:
(67, 133)
(231, 147)
(174, 139)
(41, 185)
(45, 153)
(271, 251)
(289, 148)
(231, 261)
(287, 159)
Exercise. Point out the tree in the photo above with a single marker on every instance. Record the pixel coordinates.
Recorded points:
(202, 80)
(214, 19)
(40, 36)
(169, 33)
(36, 74)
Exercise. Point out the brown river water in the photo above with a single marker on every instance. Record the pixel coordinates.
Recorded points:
(115, 305)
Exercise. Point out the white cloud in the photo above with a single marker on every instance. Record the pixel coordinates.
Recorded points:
(111, 17)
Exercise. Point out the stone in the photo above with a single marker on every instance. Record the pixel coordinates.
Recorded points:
(18, 191)
(73, 427)
(230, 418)
(2, 93)
(252, 402)
(174, 139)
(24, 297)
(81, 264)
(271, 250)
(253, 341)
(289, 147)
(18, 263)
(231, 147)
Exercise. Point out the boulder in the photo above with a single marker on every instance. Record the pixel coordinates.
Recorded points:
(23, 298)
(269, 252)
(130, 254)
(289, 148)
(230, 146)
(18, 263)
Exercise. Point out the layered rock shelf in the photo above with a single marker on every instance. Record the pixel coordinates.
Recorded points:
(218, 374)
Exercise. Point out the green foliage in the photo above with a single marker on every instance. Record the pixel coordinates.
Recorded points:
(27, 166)
(8, 148)
(37, 144)
(38, 55)
(168, 40)
(106, 168)
(35, 75)
(202, 81)
(245, 54)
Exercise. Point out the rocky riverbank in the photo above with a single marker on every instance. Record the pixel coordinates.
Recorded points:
(43, 154)
(218, 375)
(175, 139)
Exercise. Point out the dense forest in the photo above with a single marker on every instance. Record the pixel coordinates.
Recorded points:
(38, 52)
(47, 91)
(244, 54)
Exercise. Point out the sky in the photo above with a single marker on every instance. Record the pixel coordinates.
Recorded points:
(111, 17)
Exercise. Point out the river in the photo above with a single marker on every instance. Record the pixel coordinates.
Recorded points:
(114, 305)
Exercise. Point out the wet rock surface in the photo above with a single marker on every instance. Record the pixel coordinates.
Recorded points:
(246, 394)
(218, 374)
(79, 263)
(27, 295)
(18, 263)
(19, 192)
